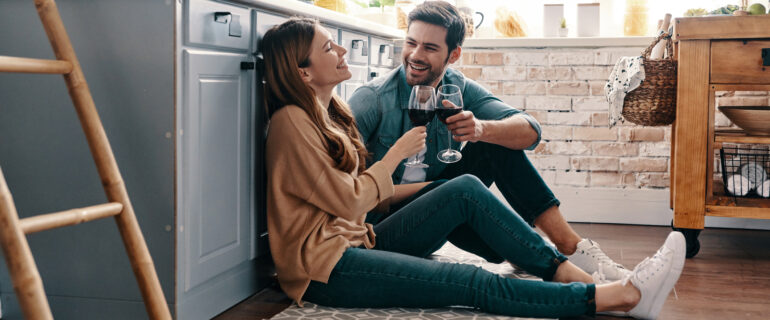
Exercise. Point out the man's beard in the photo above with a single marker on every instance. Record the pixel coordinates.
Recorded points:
(430, 77)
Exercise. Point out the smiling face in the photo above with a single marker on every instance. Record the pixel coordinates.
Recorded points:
(425, 55)
(327, 66)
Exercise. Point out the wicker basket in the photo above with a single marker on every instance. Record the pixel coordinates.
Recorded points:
(653, 103)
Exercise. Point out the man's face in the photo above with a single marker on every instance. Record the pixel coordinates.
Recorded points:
(425, 54)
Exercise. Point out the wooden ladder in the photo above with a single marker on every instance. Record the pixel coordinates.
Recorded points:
(21, 265)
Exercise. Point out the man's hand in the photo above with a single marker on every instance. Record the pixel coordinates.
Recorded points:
(465, 127)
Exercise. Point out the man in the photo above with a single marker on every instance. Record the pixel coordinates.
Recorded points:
(497, 135)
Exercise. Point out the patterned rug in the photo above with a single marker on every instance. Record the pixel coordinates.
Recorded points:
(448, 253)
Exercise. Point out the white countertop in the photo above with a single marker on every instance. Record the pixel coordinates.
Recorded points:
(293, 7)
(559, 42)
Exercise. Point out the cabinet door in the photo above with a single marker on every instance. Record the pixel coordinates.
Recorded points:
(215, 269)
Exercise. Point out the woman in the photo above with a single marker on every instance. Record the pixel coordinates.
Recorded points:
(319, 193)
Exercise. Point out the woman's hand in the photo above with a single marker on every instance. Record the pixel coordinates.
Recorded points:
(410, 143)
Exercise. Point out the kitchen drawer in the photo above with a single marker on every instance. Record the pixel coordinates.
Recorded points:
(381, 52)
(210, 23)
(357, 45)
(739, 62)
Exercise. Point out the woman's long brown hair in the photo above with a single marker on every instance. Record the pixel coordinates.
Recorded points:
(286, 48)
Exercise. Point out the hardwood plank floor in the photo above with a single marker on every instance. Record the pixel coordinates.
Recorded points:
(728, 279)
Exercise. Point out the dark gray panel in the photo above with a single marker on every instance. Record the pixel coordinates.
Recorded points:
(126, 51)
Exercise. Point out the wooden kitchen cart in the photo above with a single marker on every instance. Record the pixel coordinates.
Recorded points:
(719, 53)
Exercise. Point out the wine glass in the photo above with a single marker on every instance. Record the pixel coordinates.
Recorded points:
(422, 104)
(451, 93)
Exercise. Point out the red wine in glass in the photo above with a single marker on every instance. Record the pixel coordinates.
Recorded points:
(445, 113)
(421, 117)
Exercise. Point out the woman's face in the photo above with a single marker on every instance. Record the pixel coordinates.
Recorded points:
(327, 62)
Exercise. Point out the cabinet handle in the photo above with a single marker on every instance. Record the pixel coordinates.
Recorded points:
(222, 17)
(245, 65)
(766, 57)
(364, 50)
(373, 74)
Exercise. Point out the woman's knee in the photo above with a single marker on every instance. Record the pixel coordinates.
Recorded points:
(470, 182)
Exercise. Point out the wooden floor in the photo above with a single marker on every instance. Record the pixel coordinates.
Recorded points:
(728, 279)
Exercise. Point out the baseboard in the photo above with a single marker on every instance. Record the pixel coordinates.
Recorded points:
(631, 206)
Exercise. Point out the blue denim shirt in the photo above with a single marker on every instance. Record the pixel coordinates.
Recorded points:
(381, 111)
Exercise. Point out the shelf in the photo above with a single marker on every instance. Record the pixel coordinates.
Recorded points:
(724, 205)
(738, 136)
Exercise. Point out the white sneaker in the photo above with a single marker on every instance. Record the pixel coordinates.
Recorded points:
(656, 276)
(591, 258)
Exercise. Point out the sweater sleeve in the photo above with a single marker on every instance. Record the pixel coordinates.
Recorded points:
(310, 172)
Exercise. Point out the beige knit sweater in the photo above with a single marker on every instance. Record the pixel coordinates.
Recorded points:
(314, 211)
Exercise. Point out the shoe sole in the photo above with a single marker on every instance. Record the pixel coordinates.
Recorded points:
(676, 239)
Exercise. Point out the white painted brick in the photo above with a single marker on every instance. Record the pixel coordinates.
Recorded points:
(597, 87)
(572, 178)
(594, 163)
(644, 164)
(513, 101)
(653, 179)
(615, 149)
(503, 73)
(567, 148)
(549, 73)
(540, 116)
(568, 88)
(570, 118)
(590, 104)
(494, 86)
(556, 132)
(600, 119)
(550, 162)
(653, 149)
(548, 103)
(590, 133)
(524, 87)
(592, 73)
(569, 58)
(609, 56)
(526, 58)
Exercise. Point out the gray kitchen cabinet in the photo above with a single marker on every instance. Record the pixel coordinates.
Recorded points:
(175, 83)
(179, 110)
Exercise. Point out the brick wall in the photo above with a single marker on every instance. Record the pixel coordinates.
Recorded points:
(563, 88)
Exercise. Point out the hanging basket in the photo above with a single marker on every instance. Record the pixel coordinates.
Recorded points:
(653, 103)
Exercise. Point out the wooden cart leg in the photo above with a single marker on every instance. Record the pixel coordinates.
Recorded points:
(21, 266)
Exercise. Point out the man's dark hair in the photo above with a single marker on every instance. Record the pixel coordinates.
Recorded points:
(441, 13)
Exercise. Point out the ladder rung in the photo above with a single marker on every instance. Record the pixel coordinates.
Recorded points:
(69, 217)
(29, 65)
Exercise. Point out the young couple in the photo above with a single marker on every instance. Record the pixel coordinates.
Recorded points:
(323, 195)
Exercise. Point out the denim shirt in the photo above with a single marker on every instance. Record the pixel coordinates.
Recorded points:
(381, 111)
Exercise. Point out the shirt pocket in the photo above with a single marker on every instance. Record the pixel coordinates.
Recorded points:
(384, 143)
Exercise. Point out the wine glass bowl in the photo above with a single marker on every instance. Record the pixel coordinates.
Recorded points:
(451, 93)
(422, 109)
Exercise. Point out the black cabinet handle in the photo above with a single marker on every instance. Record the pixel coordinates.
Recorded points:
(222, 17)
(245, 65)
(766, 57)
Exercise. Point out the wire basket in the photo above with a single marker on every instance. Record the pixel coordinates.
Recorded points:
(745, 171)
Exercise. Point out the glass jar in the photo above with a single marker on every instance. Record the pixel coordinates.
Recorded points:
(635, 21)
(336, 5)
(403, 7)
